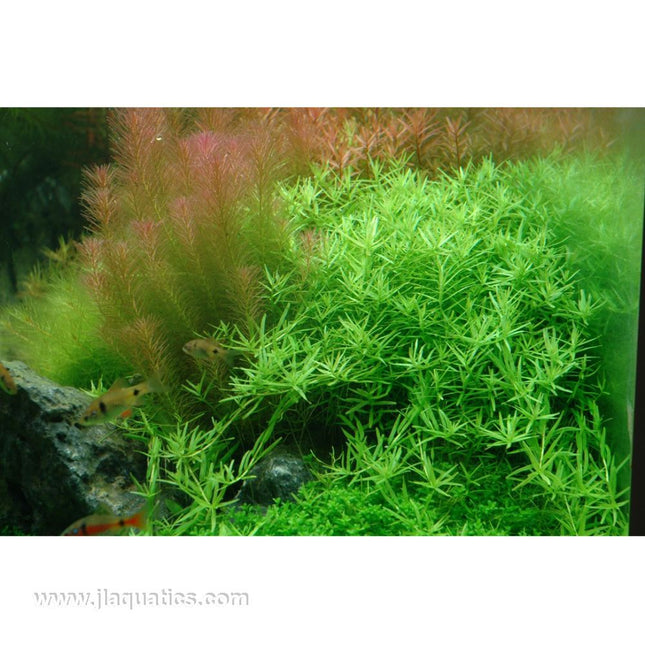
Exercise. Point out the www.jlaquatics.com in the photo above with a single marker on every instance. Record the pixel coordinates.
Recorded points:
(105, 598)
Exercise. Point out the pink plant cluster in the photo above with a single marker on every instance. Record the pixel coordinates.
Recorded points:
(182, 224)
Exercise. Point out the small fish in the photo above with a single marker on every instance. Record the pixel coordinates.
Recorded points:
(118, 401)
(207, 349)
(105, 524)
(6, 381)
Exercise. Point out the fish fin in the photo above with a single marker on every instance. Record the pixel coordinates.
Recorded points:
(138, 520)
(126, 413)
(155, 384)
(119, 384)
(231, 356)
(106, 524)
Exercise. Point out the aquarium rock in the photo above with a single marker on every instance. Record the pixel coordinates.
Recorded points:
(279, 475)
(53, 472)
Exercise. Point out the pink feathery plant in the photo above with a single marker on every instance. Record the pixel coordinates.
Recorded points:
(183, 223)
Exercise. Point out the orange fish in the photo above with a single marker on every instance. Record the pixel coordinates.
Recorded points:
(118, 401)
(207, 349)
(106, 524)
(6, 381)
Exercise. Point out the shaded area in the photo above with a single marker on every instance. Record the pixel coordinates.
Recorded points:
(42, 154)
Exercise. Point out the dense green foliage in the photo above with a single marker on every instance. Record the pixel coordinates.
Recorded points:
(595, 208)
(348, 509)
(57, 329)
(440, 328)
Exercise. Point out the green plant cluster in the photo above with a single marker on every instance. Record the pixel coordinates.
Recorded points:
(443, 331)
(595, 207)
(58, 332)
(440, 329)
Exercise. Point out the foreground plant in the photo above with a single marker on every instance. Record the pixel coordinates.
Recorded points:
(443, 333)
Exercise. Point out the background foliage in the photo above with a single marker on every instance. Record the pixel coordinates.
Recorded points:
(42, 153)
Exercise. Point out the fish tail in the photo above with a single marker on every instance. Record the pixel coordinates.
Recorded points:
(231, 356)
(154, 384)
(138, 520)
(6, 381)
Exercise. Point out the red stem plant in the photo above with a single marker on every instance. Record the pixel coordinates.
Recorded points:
(444, 139)
(183, 223)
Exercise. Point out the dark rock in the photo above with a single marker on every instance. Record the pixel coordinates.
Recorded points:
(52, 472)
(279, 475)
